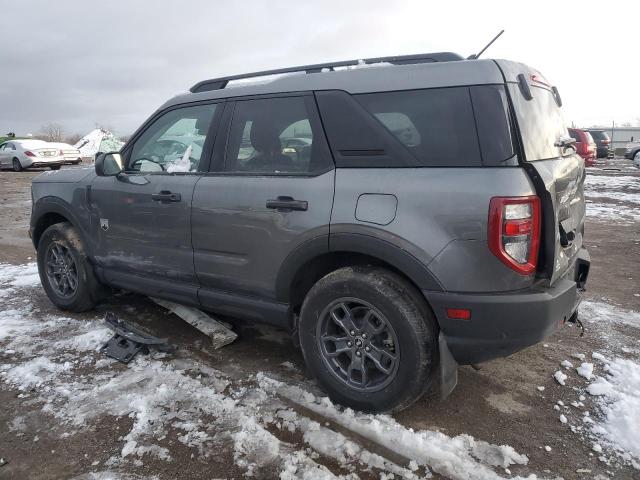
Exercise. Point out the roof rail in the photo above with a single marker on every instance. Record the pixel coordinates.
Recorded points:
(219, 83)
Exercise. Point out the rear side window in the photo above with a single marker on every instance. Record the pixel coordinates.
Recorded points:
(441, 127)
(436, 125)
(575, 135)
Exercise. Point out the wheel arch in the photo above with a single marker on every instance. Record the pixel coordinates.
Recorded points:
(318, 257)
(49, 211)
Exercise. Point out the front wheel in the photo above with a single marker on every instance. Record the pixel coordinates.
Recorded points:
(369, 339)
(636, 159)
(17, 166)
(65, 273)
(55, 167)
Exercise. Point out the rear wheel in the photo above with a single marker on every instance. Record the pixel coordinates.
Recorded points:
(55, 167)
(17, 166)
(369, 339)
(65, 273)
(636, 159)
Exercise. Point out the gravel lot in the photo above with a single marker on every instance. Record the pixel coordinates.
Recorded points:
(251, 409)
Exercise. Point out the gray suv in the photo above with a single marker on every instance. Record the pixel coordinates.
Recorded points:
(400, 220)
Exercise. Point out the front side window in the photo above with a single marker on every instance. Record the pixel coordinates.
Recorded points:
(275, 135)
(174, 142)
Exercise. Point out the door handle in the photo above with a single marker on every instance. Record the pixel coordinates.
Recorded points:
(286, 204)
(166, 196)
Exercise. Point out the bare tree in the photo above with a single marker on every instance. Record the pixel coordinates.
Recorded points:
(52, 132)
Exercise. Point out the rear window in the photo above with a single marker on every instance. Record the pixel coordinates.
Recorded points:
(599, 135)
(541, 123)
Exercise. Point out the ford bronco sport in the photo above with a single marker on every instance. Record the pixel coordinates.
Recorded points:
(399, 220)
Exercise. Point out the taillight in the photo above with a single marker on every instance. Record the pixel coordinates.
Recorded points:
(514, 232)
(606, 141)
(29, 154)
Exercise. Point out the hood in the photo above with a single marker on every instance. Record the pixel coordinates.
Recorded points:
(71, 175)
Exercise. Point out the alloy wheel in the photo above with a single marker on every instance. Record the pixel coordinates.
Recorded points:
(358, 344)
(61, 270)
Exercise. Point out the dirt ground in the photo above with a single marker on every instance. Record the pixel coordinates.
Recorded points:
(500, 403)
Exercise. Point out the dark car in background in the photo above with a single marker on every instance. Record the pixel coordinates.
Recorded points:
(585, 145)
(603, 143)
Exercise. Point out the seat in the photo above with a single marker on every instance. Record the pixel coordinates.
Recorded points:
(266, 141)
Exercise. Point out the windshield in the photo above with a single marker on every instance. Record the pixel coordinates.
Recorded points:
(541, 123)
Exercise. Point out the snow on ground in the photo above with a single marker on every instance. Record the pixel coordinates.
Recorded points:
(613, 198)
(614, 389)
(54, 362)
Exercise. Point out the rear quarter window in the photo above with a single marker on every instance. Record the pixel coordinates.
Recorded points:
(437, 126)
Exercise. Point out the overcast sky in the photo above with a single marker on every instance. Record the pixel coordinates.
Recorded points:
(84, 62)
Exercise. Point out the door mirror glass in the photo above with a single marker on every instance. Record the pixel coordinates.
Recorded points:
(109, 164)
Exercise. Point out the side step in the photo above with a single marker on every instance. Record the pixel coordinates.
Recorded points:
(219, 333)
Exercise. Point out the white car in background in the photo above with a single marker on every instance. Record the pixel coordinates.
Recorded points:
(71, 154)
(21, 154)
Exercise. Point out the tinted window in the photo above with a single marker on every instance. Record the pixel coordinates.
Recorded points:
(575, 135)
(541, 123)
(276, 135)
(598, 135)
(437, 126)
(491, 110)
(174, 142)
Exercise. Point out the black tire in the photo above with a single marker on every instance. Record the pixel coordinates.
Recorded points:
(55, 167)
(63, 237)
(17, 166)
(391, 300)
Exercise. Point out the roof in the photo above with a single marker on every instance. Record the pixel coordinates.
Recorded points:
(360, 79)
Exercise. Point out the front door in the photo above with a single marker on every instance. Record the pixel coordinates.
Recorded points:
(142, 217)
(272, 193)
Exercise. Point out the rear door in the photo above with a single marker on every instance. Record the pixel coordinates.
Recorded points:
(270, 192)
(557, 172)
(142, 217)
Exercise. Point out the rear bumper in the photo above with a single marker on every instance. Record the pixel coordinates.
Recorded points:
(45, 163)
(502, 324)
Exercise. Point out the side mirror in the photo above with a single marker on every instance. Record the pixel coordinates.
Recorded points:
(108, 164)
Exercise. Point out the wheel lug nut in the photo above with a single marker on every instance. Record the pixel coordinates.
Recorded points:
(352, 332)
(364, 335)
(349, 344)
(367, 348)
(358, 353)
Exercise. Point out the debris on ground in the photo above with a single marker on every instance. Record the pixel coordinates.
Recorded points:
(128, 340)
(220, 333)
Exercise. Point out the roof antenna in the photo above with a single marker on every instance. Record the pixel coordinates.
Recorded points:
(477, 55)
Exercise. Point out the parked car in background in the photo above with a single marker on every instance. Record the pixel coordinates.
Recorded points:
(70, 153)
(603, 143)
(632, 152)
(585, 146)
(21, 154)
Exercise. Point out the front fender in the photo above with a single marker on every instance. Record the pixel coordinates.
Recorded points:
(77, 216)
